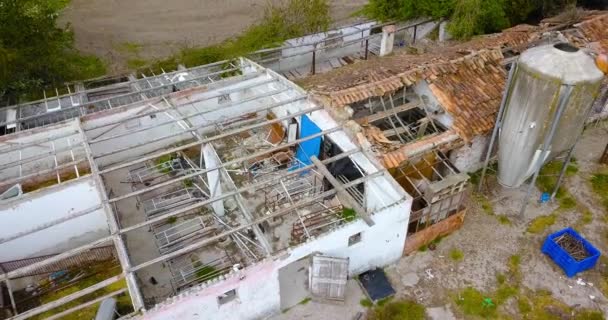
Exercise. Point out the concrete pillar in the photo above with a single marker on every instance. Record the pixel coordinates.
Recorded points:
(388, 39)
(443, 31)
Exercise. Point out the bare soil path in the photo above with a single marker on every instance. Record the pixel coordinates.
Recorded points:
(163, 27)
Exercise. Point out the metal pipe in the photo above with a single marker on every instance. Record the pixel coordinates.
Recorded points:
(87, 304)
(498, 124)
(563, 103)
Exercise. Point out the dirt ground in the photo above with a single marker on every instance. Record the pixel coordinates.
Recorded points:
(163, 27)
(435, 279)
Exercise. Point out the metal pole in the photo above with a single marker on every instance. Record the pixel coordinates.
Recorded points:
(498, 124)
(563, 171)
(314, 58)
(415, 32)
(563, 103)
(366, 48)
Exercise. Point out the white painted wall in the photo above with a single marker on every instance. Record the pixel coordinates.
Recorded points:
(470, 157)
(45, 206)
(434, 108)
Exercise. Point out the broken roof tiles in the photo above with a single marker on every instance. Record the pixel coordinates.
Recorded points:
(467, 78)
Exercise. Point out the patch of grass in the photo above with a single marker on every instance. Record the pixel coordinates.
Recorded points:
(523, 305)
(586, 217)
(504, 220)
(398, 310)
(305, 301)
(541, 223)
(349, 214)
(501, 278)
(129, 48)
(281, 21)
(366, 303)
(188, 183)
(485, 203)
(98, 273)
(136, 63)
(567, 202)
(599, 184)
(589, 315)
(171, 220)
(384, 301)
(504, 292)
(471, 302)
(423, 248)
(456, 254)
(205, 272)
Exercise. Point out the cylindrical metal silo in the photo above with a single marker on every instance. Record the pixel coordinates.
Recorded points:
(538, 84)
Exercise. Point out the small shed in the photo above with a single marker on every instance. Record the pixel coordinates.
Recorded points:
(328, 278)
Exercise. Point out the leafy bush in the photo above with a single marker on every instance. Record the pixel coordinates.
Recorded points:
(35, 52)
(398, 310)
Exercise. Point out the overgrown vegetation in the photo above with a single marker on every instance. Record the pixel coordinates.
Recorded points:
(471, 17)
(599, 183)
(366, 303)
(349, 214)
(281, 21)
(456, 254)
(94, 274)
(397, 310)
(532, 305)
(539, 224)
(35, 52)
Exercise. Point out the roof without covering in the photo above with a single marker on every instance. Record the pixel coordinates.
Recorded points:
(467, 78)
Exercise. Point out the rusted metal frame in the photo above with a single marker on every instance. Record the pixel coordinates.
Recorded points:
(278, 213)
(40, 156)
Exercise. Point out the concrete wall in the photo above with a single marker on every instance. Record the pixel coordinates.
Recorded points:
(405, 37)
(46, 206)
(300, 55)
(434, 108)
(470, 157)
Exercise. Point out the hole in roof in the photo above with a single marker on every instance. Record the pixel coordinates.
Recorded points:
(566, 47)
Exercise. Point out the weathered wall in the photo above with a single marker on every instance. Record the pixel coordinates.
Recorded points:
(470, 157)
(443, 228)
(45, 206)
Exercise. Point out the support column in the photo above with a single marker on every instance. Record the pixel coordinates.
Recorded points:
(604, 158)
(388, 40)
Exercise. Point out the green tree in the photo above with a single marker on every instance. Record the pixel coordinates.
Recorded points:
(472, 17)
(35, 52)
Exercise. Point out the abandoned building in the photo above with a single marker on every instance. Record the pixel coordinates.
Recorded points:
(226, 190)
(192, 200)
(439, 108)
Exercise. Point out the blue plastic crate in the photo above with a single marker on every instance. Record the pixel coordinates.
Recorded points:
(570, 266)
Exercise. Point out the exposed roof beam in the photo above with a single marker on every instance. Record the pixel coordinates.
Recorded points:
(350, 201)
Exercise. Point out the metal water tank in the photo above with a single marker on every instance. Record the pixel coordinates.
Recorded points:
(538, 83)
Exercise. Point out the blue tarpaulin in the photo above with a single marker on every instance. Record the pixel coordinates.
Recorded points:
(308, 148)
